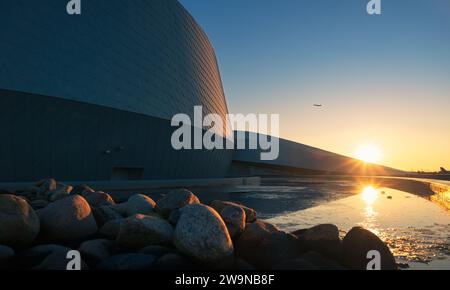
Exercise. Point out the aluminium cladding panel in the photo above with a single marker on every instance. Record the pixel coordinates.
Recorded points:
(50, 137)
(144, 56)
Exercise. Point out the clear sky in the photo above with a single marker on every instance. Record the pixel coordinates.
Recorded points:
(381, 79)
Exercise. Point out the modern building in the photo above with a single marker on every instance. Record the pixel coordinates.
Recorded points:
(297, 158)
(91, 96)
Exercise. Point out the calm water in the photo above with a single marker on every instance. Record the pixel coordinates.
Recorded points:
(416, 229)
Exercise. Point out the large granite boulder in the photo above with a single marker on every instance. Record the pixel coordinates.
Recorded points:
(68, 219)
(94, 251)
(173, 262)
(105, 214)
(6, 255)
(175, 200)
(82, 190)
(234, 218)
(120, 208)
(250, 214)
(110, 230)
(264, 246)
(38, 203)
(140, 204)
(32, 257)
(202, 234)
(99, 198)
(61, 191)
(140, 231)
(358, 243)
(253, 234)
(19, 224)
(157, 251)
(323, 239)
(45, 257)
(44, 186)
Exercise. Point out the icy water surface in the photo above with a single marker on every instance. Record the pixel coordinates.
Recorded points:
(416, 230)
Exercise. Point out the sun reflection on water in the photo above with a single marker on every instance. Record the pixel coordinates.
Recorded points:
(415, 229)
(369, 195)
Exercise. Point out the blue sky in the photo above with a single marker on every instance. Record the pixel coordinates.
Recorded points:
(382, 79)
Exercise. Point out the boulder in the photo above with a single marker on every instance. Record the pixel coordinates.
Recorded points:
(45, 257)
(58, 261)
(61, 191)
(95, 251)
(68, 219)
(320, 232)
(242, 265)
(357, 244)
(19, 224)
(6, 252)
(174, 217)
(322, 262)
(172, 262)
(32, 257)
(45, 186)
(105, 214)
(174, 200)
(157, 251)
(99, 198)
(234, 218)
(323, 239)
(120, 208)
(130, 262)
(110, 230)
(140, 231)
(82, 190)
(202, 234)
(39, 203)
(250, 214)
(268, 249)
(254, 233)
(140, 204)
(6, 255)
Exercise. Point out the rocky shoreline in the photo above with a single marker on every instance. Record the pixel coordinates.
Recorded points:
(39, 227)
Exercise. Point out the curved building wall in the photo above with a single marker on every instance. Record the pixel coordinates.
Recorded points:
(90, 97)
(302, 158)
(143, 56)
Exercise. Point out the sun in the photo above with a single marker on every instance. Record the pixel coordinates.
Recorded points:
(369, 153)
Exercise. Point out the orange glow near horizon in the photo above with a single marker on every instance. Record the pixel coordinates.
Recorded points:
(369, 153)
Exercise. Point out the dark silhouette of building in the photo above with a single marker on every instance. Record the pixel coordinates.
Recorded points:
(91, 96)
